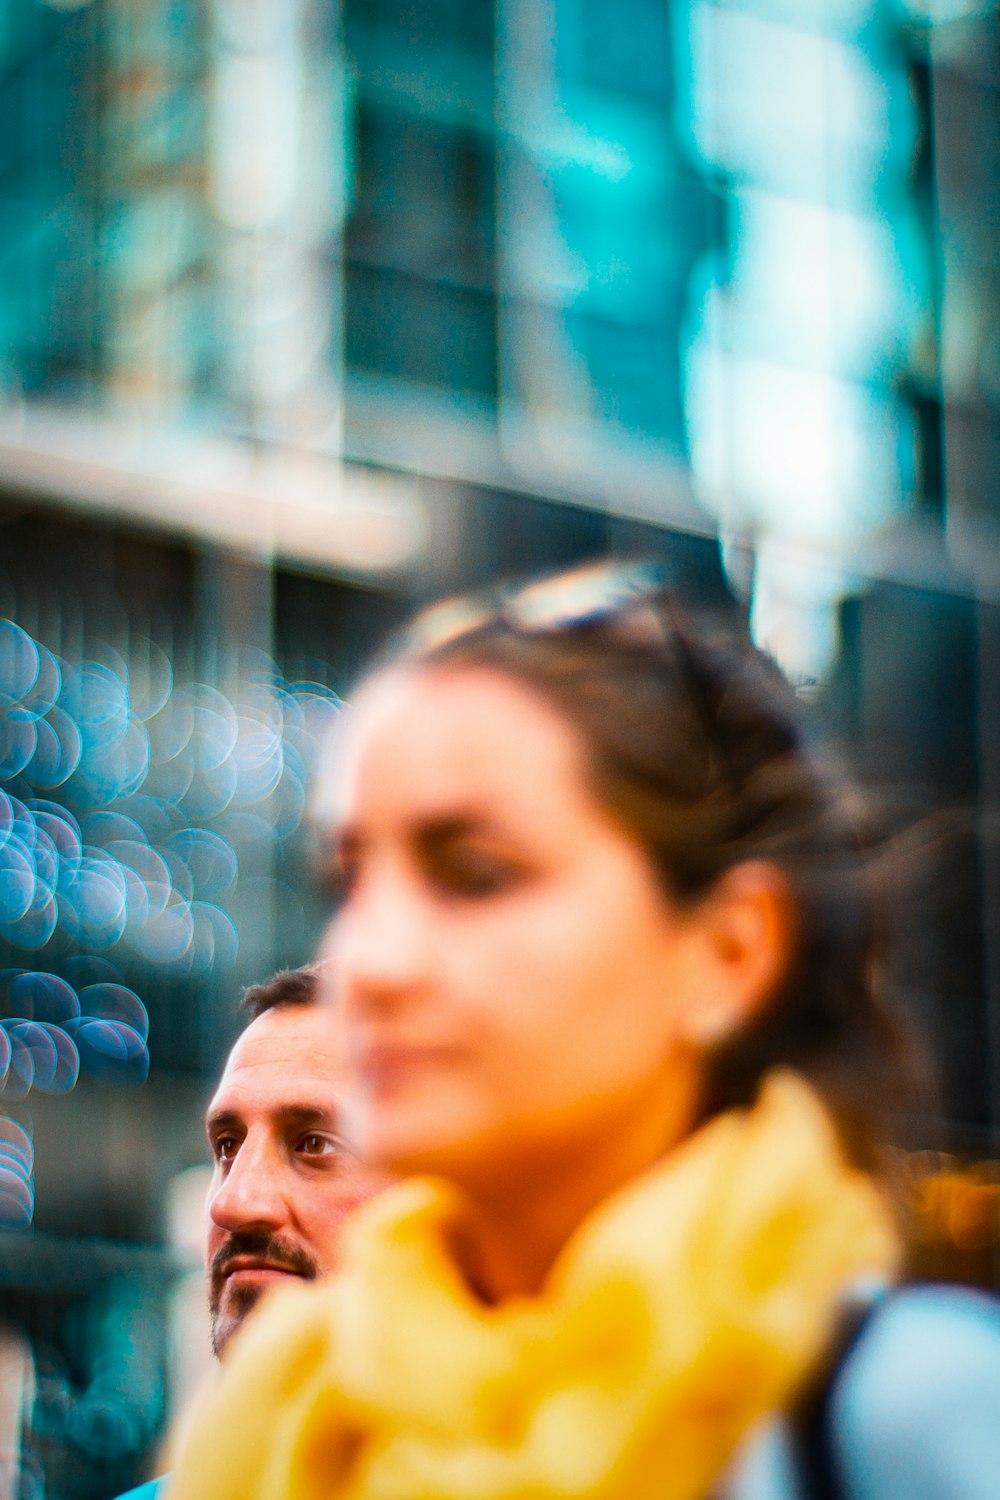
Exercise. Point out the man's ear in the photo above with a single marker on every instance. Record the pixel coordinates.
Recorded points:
(745, 936)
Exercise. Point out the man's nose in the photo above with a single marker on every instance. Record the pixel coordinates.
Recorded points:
(250, 1192)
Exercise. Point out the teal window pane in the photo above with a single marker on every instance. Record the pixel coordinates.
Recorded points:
(624, 48)
(423, 199)
(428, 23)
(427, 333)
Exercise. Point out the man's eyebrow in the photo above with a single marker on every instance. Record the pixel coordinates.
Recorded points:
(293, 1113)
(222, 1119)
(306, 1114)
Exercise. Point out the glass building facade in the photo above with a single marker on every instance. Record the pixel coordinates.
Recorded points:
(311, 311)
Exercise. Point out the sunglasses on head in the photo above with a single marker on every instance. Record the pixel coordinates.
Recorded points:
(637, 594)
(587, 595)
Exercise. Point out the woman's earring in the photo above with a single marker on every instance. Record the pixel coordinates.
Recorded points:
(711, 1030)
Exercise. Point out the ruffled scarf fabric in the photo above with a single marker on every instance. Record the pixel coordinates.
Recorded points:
(688, 1307)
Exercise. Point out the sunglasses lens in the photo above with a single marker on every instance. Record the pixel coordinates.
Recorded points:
(584, 595)
(635, 600)
(441, 623)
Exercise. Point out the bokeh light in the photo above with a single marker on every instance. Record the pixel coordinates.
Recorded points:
(50, 1030)
(127, 800)
(17, 1188)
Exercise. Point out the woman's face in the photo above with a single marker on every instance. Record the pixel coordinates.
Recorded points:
(509, 975)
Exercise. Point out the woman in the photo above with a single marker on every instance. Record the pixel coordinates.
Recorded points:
(606, 971)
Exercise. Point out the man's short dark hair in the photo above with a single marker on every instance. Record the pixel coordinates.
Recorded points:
(288, 987)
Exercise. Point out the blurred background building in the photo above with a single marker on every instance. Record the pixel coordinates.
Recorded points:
(311, 311)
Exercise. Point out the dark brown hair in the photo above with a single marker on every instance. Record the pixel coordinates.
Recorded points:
(697, 743)
(289, 987)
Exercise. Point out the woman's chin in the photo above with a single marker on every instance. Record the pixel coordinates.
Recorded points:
(395, 1145)
(411, 1148)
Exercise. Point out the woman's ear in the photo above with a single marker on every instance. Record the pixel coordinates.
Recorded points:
(746, 934)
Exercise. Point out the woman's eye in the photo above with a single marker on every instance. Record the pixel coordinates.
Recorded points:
(339, 879)
(472, 873)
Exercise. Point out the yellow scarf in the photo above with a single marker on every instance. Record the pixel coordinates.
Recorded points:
(690, 1305)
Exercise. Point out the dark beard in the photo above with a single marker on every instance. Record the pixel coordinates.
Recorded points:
(261, 1245)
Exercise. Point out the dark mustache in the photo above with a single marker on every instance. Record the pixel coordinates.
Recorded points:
(262, 1245)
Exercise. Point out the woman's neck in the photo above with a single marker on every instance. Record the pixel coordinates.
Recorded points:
(521, 1219)
(507, 1246)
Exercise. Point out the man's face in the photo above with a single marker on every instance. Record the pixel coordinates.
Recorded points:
(283, 1180)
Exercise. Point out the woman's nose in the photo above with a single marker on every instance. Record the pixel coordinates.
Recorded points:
(380, 942)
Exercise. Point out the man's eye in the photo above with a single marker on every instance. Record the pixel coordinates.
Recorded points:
(315, 1144)
(225, 1147)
